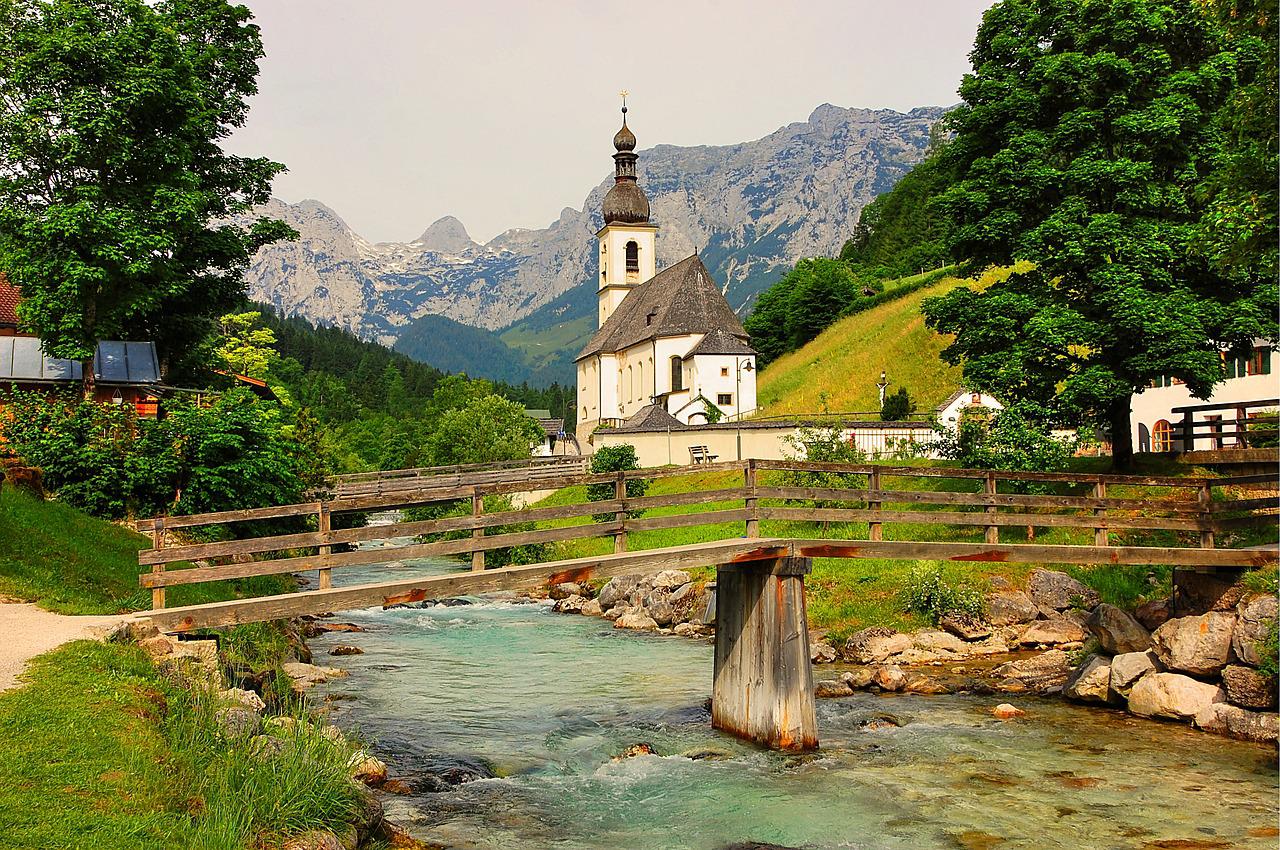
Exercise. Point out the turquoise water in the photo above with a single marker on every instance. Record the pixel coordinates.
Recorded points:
(543, 701)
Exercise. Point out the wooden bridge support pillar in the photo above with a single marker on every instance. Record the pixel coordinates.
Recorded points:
(763, 687)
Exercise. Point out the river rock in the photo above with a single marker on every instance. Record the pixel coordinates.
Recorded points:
(1005, 711)
(936, 641)
(687, 630)
(1225, 719)
(346, 649)
(889, 678)
(236, 722)
(875, 644)
(304, 676)
(1154, 614)
(636, 619)
(1173, 696)
(617, 590)
(590, 608)
(1050, 632)
(570, 604)
(658, 603)
(670, 579)
(690, 603)
(615, 612)
(1116, 631)
(1248, 688)
(243, 698)
(919, 684)
(1255, 616)
(858, 678)
(1128, 668)
(964, 626)
(821, 652)
(1042, 673)
(1007, 607)
(633, 751)
(314, 839)
(366, 768)
(832, 688)
(1197, 645)
(1090, 682)
(1059, 591)
(564, 590)
(266, 747)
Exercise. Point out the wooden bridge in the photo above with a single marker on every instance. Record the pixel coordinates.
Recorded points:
(763, 685)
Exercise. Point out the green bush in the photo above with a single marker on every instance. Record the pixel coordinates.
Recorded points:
(822, 442)
(619, 458)
(897, 406)
(1008, 440)
(930, 591)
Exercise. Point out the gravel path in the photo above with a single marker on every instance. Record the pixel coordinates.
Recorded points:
(27, 630)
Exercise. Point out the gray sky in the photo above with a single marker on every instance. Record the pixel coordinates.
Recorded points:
(397, 112)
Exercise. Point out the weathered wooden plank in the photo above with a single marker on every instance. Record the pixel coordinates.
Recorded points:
(697, 497)
(1243, 505)
(979, 474)
(360, 557)
(1009, 519)
(763, 681)
(930, 497)
(685, 520)
(1028, 553)
(219, 614)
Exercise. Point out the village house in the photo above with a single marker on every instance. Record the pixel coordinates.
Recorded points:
(667, 339)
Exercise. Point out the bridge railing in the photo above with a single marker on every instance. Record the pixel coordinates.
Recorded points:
(778, 493)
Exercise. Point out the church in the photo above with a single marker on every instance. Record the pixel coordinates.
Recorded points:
(669, 348)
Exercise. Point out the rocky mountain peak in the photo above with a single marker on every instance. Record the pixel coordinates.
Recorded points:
(446, 236)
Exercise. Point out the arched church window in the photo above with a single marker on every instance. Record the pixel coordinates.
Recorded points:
(677, 374)
(640, 381)
(631, 386)
(633, 257)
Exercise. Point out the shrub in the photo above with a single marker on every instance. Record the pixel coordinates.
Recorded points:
(897, 406)
(615, 459)
(1008, 440)
(933, 593)
(822, 442)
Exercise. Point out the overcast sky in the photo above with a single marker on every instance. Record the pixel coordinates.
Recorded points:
(398, 112)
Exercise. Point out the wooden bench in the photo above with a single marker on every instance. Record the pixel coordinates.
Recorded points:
(701, 454)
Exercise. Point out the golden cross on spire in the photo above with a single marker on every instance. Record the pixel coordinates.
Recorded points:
(623, 94)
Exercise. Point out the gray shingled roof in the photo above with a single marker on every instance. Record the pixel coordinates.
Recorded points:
(720, 342)
(114, 363)
(651, 417)
(680, 299)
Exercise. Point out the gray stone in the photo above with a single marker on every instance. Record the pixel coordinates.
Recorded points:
(1116, 631)
(243, 698)
(591, 608)
(1224, 719)
(1248, 688)
(687, 630)
(1172, 696)
(1050, 632)
(670, 579)
(1006, 607)
(636, 619)
(889, 678)
(1255, 616)
(658, 604)
(1090, 682)
(565, 589)
(1042, 673)
(1059, 591)
(832, 688)
(315, 839)
(858, 678)
(875, 644)
(570, 604)
(236, 722)
(1197, 645)
(266, 747)
(345, 649)
(938, 642)
(919, 684)
(821, 652)
(964, 626)
(1128, 668)
(1154, 614)
(617, 590)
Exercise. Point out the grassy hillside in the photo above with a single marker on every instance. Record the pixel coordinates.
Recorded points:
(845, 361)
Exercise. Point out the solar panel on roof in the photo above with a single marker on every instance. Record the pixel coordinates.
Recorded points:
(143, 366)
(110, 364)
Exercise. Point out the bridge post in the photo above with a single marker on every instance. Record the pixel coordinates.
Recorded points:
(763, 688)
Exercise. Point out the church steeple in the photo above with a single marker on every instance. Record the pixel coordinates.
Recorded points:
(626, 201)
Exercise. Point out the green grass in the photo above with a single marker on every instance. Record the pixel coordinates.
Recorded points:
(71, 563)
(844, 361)
(101, 751)
(847, 594)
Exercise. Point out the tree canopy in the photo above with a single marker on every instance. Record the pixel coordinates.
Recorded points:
(1083, 144)
(120, 213)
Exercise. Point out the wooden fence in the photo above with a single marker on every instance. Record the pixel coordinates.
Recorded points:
(391, 481)
(767, 491)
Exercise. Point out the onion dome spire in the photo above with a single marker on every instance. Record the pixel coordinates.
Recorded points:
(626, 202)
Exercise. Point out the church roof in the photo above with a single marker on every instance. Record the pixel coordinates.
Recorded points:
(680, 299)
(652, 417)
(720, 341)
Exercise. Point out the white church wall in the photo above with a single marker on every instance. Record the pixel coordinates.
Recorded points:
(721, 376)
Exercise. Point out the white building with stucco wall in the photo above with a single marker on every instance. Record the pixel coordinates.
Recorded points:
(666, 338)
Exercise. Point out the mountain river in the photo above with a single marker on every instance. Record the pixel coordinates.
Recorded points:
(536, 704)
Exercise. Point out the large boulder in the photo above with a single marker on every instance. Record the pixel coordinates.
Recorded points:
(591, 608)
(636, 619)
(821, 652)
(565, 589)
(1090, 682)
(935, 641)
(1128, 668)
(1042, 673)
(1225, 719)
(237, 722)
(889, 678)
(1116, 631)
(832, 688)
(1199, 645)
(1248, 688)
(964, 626)
(1007, 607)
(618, 590)
(669, 579)
(1154, 614)
(1255, 616)
(570, 604)
(1059, 591)
(1173, 696)
(658, 604)
(875, 644)
(1052, 632)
